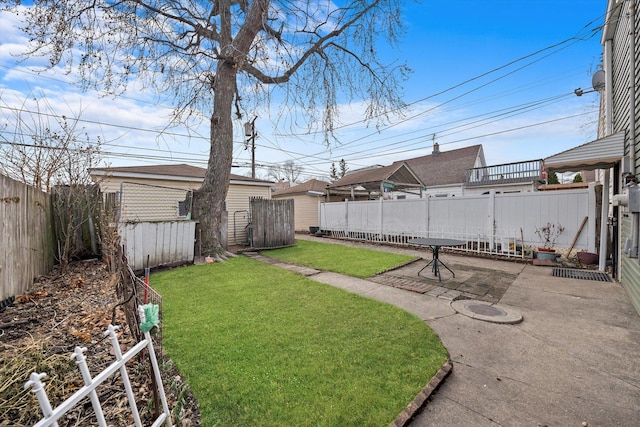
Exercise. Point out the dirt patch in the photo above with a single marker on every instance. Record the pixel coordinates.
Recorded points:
(40, 331)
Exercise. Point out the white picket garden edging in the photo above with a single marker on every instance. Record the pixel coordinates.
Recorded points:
(51, 416)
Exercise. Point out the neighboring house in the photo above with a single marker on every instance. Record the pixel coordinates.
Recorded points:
(616, 152)
(374, 182)
(464, 172)
(306, 200)
(158, 193)
(440, 174)
(444, 172)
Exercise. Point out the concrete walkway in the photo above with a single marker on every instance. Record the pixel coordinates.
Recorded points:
(574, 359)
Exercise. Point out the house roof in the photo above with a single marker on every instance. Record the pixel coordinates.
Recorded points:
(313, 185)
(601, 153)
(398, 174)
(446, 167)
(177, 172)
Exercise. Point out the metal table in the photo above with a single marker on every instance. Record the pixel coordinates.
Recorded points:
(435, 244)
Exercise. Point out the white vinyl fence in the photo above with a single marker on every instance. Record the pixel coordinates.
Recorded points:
(151, 244)
(492, 222)
(51, 415)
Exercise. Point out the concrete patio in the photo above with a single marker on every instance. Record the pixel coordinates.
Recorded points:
(571, 361)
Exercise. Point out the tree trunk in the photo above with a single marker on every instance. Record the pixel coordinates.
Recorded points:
(208, 200)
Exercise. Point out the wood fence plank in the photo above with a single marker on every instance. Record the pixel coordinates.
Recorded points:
(27, 248)
(272, 222)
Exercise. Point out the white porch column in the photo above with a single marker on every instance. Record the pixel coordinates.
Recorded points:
(604, 226)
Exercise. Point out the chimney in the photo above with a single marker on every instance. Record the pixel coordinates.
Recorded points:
(436, 149)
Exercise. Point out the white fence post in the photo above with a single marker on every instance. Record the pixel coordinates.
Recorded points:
(427, 215)
(491, 217)
(81, 361)
(51, 416)
(111, 333)
(381, 218)
(37, 387)
(593, 214)
(346, 217)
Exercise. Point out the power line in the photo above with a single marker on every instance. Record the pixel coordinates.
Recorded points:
(558, 47)
(429, 132)
(574, 39)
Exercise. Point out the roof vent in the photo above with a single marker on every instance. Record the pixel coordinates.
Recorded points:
(436, 149)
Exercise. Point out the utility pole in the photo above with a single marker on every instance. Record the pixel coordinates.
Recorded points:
(250, 134)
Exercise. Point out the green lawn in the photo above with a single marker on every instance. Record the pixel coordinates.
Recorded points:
(356, 262)
(262, 346)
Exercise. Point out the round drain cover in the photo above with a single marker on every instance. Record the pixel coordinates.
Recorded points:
(485, 310)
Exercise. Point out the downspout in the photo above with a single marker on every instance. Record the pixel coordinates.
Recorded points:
(632, 88)
(608, 84)
(633, 252)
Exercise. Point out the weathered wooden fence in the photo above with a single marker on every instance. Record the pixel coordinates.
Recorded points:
(151, 244)
(26, 228)
(487, 218)
(272, 223)
(51, 415)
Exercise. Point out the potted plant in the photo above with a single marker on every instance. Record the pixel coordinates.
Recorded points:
(587, 258)
(548, 233)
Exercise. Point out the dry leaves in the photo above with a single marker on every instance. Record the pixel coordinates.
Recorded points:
(41, 330)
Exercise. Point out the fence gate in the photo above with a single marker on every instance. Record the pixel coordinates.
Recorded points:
(272, 223)
(51, 416)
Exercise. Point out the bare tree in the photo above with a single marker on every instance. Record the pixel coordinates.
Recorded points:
(218, 58)
(274, 173)
(34, 143)
(54, 155)
(289, 171)
(292, 171)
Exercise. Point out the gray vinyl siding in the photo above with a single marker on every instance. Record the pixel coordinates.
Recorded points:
(620, 75)
(630, 268)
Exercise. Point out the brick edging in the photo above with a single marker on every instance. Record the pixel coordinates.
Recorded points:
(420, 400)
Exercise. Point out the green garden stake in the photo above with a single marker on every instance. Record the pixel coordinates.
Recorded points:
(149, 317)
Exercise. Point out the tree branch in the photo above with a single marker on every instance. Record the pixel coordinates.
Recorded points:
(317, 47)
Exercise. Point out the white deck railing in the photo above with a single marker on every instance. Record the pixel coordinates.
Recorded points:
(51, 416)
(504, 244)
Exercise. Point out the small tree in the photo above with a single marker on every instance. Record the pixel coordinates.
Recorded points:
(577, 178)
(553, 178)
(343, 168)
(75, 202)
(549, 233)
(333, 172)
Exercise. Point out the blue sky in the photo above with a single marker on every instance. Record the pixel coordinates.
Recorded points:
(462, 92)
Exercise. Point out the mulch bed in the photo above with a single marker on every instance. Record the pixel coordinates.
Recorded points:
(39, 332)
